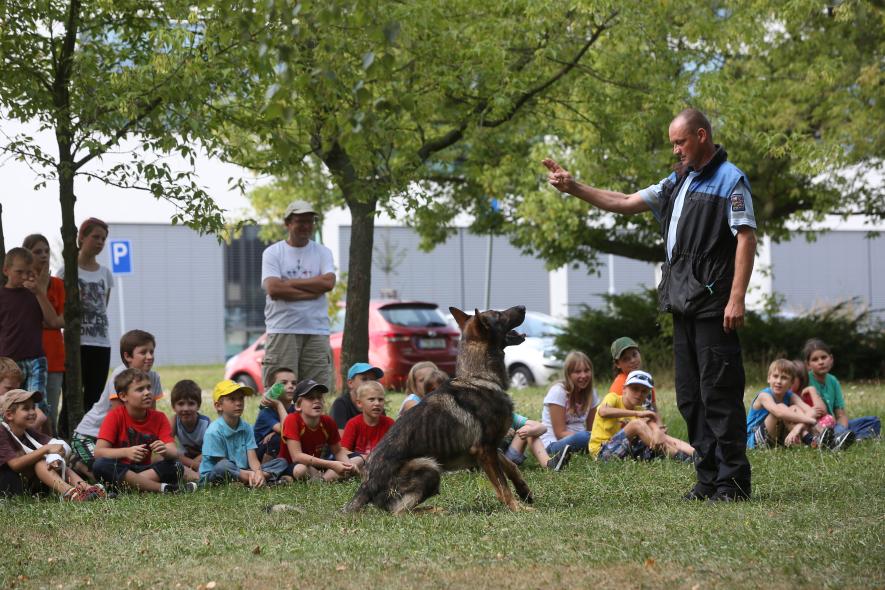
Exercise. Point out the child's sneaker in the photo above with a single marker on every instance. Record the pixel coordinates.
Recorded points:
(760, 437)
(843, 441)
(168, 488)
(684, 457)
(824, 440)
(558, 461)
(188, 487)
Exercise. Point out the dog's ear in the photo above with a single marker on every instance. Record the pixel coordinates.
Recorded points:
(482, 319)
(460, 317)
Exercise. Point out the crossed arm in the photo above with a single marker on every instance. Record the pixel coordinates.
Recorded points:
(299, 289)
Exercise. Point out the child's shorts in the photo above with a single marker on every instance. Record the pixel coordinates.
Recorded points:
(83, 447)
(113, 471)
(619, 446)
(35, 375)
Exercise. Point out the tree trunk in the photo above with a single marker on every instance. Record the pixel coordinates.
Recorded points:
(73, 394)
(2, 248)
(355, 343)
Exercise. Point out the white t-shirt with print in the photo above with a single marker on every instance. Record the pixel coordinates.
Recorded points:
(558, 396)
(283, 261)
(94, 288)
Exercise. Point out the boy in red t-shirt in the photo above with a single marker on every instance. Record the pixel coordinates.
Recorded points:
(364, 432)
(310, 437)
(131, 434)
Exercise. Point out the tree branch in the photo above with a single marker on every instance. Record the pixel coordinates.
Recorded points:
(456, 134)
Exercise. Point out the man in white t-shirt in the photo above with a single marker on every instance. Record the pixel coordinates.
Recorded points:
(296, 274)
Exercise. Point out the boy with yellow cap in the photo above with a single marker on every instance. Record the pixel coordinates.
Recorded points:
(229, 443)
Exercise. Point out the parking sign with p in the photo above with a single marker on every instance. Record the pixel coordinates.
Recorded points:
(121, 257)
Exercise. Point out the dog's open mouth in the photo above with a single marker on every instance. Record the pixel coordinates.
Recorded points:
(513, 338)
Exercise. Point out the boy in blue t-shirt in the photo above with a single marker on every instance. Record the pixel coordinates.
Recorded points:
(275, 406)
(229, 443)
(779, 416)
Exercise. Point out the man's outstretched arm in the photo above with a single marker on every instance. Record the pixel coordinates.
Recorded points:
(562, 180)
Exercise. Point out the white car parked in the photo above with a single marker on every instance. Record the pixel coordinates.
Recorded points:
(534, 361)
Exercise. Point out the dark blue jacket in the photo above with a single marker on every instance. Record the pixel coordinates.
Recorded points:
(697, 280)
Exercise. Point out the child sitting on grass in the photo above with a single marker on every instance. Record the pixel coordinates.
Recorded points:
(345, 408)
(627, 358)
(276, 404)
(310, 436)
(623, 429)
(779, 416)
(31, 462)
(131, 435)
(137, 352)
(525, 433)
(570, 407)
(229, 445)
(819, 359)
(414, 389)
(11, 377)
(190, 425)
(364, 432)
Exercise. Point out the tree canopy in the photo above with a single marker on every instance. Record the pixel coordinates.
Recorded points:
(99, 74)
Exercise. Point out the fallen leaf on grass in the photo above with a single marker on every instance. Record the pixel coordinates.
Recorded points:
(649, 563)
(211, 585)
(340, 567)
(256, 550)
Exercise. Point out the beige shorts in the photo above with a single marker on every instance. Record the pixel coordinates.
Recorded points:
(308, 355)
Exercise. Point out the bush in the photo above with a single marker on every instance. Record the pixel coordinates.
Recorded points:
(630, 314)
(855, 337)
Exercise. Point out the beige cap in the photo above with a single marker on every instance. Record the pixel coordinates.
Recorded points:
(299, 207)
(16, 396)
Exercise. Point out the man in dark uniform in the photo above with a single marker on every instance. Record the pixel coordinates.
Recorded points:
(708, 226)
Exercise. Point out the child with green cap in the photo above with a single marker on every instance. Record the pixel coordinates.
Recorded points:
(626, 356)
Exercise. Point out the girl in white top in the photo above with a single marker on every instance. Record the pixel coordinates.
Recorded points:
(570, 407)
(95, 283)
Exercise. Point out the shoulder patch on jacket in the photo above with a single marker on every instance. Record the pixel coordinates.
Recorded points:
(737, 202)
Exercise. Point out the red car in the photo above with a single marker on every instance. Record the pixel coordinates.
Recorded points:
(401, 333)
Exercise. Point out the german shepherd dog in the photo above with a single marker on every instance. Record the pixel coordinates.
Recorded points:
(459, 425)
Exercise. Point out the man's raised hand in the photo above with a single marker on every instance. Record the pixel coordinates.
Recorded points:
(558, 177)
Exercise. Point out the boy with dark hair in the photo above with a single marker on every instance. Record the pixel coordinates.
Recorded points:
(190, 425)
(131, 435)
(24, 310)
(310, 436)
(31, 462)
(276, 404)
(344, 408)
(137, 351)
(229, 445)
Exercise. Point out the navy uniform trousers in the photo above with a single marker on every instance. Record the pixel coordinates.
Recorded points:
(710, 396)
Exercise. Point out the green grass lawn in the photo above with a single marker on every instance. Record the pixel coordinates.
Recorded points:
(817, 521)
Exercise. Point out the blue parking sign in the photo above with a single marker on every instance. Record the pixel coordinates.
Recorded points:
(121, 257)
